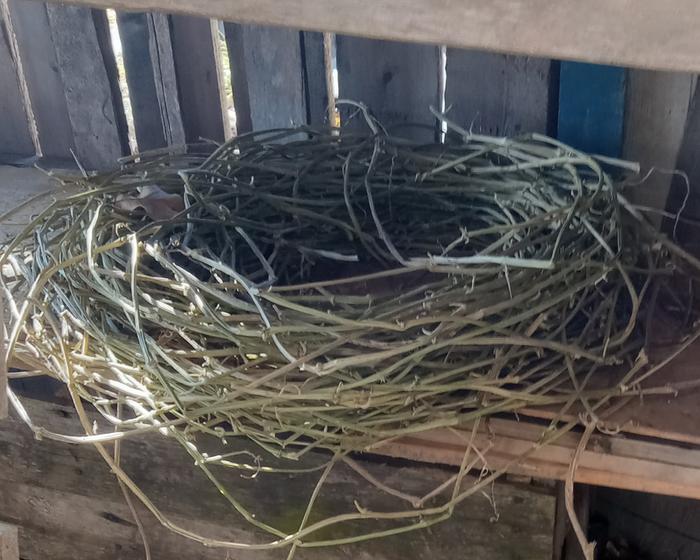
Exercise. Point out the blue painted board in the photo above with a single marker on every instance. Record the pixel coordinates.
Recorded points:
(592, 107)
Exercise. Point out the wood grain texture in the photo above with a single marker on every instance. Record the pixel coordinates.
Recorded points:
(91, 99)
(654, 34)
(9, 542)
(267, 72)
(150, 75)
(498, 94)
(161, 50)
(673, 416)
(44, 81)
(15, 136)
(662, 468)
(398, 81)
(689, 163)
(109, 61)
(655, 115)
(315, 82)
(198, 78)
(69, 506)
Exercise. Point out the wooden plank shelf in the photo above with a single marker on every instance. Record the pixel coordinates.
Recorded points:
(644, 33)
(614, 461)
(68, 505)
(673, 415)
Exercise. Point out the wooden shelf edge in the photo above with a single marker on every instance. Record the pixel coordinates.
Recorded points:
(653, 35)
(612, 461)
(619, 461)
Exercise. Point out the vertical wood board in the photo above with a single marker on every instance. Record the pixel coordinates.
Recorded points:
(398, 81)
(93, 105)
(44, 81)
(199, 82)
(267, 75)
(109, 60)
(497, 94)
(161, 49)
(688, 161)
(656, 110)
(314, 73)
(150, 75)
(138, 67)
(15, 136)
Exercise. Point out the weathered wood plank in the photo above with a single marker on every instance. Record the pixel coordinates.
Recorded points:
(656, 111)
(499, 94)
(662, 468)
(150, 75)
(398, 81)
(161, 50)
(15, 136)
(44, 81)
(69, 505)
(267, 74)
(109, 60)
(689, 163)
(91, 99)
(197, 66)
(653, 36)
(9, 542)
(315, 82)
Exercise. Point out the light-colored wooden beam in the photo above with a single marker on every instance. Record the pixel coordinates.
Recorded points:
(643, 33)
(672, 415)
(9, 542)
(613, 461)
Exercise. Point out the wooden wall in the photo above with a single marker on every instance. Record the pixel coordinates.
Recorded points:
(61, 98)
(68, 505)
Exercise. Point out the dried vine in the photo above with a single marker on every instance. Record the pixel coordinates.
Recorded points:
(323, 290)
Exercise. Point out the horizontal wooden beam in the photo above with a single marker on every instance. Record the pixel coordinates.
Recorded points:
(672, 415)
(613, 461)
(644, 33)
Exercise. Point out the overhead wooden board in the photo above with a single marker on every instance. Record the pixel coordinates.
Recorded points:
(643, 33)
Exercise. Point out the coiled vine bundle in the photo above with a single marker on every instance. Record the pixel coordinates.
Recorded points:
(332, 290)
